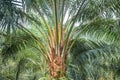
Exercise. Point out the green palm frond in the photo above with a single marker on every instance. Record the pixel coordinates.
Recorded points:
(10, 14)
(16, 43)
(92, 40)
(92, 48)
(84, 10)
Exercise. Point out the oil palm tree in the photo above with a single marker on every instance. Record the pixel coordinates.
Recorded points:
(73, 26)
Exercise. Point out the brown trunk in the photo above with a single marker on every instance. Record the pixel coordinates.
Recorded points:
(57, 67)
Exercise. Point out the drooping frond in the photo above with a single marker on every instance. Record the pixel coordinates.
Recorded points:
(85, 50)
(95, 40)
(16, 43)
(92, 46)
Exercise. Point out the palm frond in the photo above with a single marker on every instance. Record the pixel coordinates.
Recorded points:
(92, 46)
(16, 43)
(10, 14)
(93, 40)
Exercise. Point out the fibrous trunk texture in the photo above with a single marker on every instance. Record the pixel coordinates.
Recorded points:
(57, 66)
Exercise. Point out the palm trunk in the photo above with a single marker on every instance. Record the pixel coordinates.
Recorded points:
(57, 66)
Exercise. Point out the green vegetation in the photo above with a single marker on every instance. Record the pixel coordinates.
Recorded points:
(59, 40)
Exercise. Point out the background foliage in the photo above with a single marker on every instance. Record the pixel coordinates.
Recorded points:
(94, 23)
